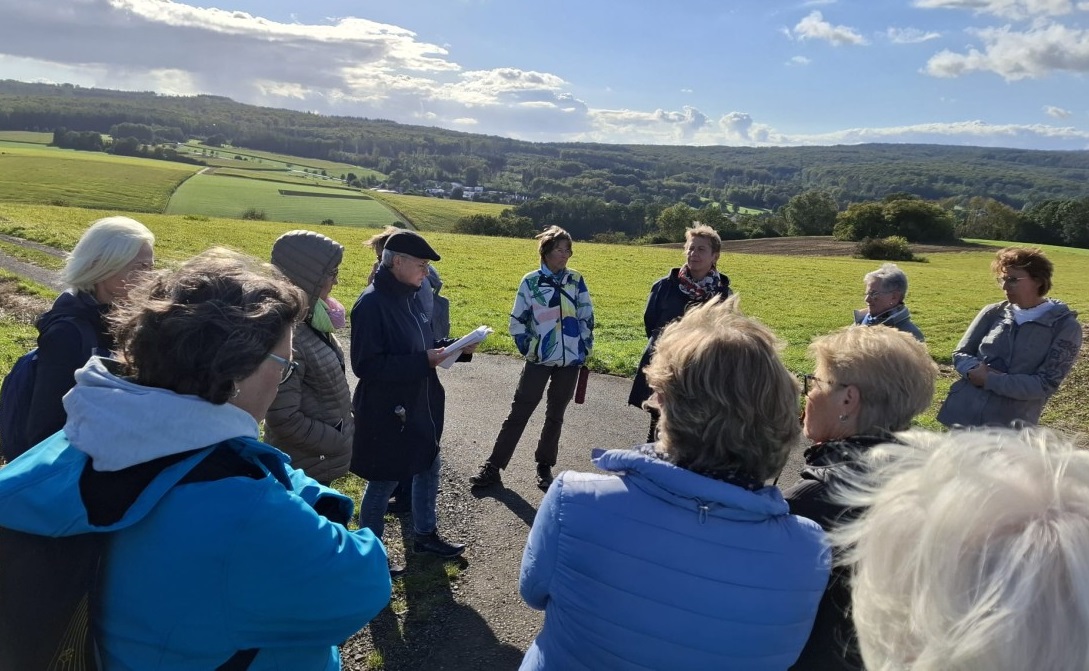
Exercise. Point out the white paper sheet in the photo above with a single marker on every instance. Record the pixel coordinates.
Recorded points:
(452, 351)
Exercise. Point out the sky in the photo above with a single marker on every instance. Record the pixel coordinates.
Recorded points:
(1004, 73)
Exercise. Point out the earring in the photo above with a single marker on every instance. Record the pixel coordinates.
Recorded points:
(236, 392)
(843, 417)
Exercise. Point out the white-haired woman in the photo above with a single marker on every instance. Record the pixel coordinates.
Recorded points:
(886, 289)
(868, 383)
(103, 265)
(680, 557)
(971, 554)
(694, 283)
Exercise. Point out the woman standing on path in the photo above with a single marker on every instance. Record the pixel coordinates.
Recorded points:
(1015, 353)
(694, 283)
(553, 327)
(106, 261)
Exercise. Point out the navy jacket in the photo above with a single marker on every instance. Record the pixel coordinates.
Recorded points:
(62, 350)
(666, 303)
(399, 403)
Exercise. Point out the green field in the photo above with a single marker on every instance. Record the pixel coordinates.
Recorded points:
(25, 136)
(264, 160)
(46, 175)
(799, 297)
(435, 214)
(228, 196)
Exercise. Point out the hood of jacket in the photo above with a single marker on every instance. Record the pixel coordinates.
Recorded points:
(78, 305)
(118, 423)
(1059, 310)
(307, 259)
(684, 488)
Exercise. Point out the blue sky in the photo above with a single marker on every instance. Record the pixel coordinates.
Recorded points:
(744, 72)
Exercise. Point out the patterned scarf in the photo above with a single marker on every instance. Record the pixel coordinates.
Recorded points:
(698, 291)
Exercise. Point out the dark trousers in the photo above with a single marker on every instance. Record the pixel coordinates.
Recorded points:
(561, 382)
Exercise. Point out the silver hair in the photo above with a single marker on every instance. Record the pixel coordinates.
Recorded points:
(972, 552)
(388, 256)
(106, 247)
(891, 278)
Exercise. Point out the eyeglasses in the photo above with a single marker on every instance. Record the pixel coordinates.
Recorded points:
(1006, 279)
(289, 367)
(812, 382)
(872, 294)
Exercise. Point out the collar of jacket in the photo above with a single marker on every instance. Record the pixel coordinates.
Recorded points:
(385, 281)
(843, 450)
(890, 317)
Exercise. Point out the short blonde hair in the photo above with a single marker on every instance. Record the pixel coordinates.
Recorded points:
(105, 248)
(698, 230)
(892, 370)
(727, 401)
(972, 552)
(549, 238)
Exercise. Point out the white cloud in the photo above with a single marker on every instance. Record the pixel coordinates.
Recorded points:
(814, 27)
(686, 90)
(1015, 55)
(1056, 112)
(818, 3)
(910, 35)
(1016, 10)
(1033, 136)
(798, 60)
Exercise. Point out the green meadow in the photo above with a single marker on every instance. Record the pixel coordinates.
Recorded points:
(25, 136)
(37, 174)
(799, 297)
(255, 159)
(435, 214)
(229, 196)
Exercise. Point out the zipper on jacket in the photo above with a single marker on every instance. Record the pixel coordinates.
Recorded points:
(703, 507)
(427, 380)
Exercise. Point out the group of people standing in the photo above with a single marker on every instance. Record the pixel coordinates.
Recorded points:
(678, 554)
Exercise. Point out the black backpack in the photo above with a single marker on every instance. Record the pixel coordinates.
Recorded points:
(18, 390)
(49, 586)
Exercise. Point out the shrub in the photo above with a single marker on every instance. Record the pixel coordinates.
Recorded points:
(892, 248)
(610, 237)
(328, 222)
(253, 214)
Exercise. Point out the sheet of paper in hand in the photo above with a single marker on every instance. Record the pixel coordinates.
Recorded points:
(471, 338)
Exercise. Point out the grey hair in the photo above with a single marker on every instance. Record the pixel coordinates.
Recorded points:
(105, 248)
(388, 256)
(891, 278)
(972, 552)
(727, 401)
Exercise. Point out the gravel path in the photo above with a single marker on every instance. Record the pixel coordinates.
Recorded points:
(467, 615)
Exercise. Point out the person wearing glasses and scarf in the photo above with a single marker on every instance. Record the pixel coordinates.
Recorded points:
(886, 289)
(311, 418)
(1015, 353)
(553, 327)
(694, 283)
(867, 384)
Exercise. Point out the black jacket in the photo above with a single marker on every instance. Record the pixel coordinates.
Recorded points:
(399, 403)
(666, 303)
(62, 350)
(832, 644)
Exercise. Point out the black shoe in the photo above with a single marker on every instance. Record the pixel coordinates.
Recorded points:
(432, 544)
(488, 476)
(396, 506)
(396, 569)
(544, 476)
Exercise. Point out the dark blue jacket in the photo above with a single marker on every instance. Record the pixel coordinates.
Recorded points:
(62, 350)
(399, 403)
(666, 303)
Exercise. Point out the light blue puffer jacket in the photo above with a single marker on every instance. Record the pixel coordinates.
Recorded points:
(658, 567)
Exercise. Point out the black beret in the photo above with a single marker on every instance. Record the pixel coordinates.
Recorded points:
(411, 243)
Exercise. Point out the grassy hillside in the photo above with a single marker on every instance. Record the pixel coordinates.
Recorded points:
(229, 196)
(271, 160)
(38, 174)
(435, 214)
(28, 137)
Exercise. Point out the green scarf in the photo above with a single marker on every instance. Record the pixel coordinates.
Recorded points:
(320, 319)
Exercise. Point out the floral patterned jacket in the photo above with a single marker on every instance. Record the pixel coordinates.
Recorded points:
(553, 319)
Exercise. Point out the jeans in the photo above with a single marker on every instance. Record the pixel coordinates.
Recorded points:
(425, 492)
(561, 381)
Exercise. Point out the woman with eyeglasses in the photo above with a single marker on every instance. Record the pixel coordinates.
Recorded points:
(866, 384)
(694, 283)
(247, 561)
(311, 418)
(1016, 352)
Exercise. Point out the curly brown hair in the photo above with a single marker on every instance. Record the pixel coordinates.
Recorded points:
(1032, 261)
(200, 328)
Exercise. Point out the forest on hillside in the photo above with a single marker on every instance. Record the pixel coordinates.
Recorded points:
(623, 175)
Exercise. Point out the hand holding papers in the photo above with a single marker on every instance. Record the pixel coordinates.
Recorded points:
(473, 337)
